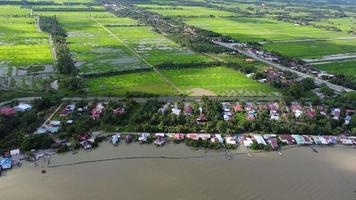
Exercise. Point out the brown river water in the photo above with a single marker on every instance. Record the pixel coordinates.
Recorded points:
(298, 174)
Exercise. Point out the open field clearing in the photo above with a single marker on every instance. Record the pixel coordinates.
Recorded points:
(143, 82)
(260, 29)
(13, 10)
(313, 49)
(216, 81)
(185, 11)
(344, 67)
(155, 48)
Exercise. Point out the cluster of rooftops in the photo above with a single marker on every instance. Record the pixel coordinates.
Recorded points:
(244, 139)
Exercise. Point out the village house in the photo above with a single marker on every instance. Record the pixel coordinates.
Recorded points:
(250, 111)
(176, 110)
(238, 108)
(272, 140)
(296, 109)
(202, 118)
(227, 114)
(119, 110)
(188, 109)
(7, 111)
(23, 107)
(217, 138)
(143, 137)
(164, 108)
(97, 111)
(287, 139)
(336, 112)
(259, 139)
(115, 138)
(246, 140)
(230, 140)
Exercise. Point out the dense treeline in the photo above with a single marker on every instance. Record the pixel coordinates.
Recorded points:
(64, 62)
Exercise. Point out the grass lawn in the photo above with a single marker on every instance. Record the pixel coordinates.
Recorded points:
(185, 11)
(214, 81)
(342, 67)
(144, 82)
(313, 49)
(260, 29)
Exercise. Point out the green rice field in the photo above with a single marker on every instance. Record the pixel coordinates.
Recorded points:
(185, 11)
(110, 48)
(344, 67)
(155, 48)
(260, 29)
(142, 82)
(24, 49)
(216, 81)
(210, 81)
(344, 24)
(13, 10)
(313, 49)
(22, 45)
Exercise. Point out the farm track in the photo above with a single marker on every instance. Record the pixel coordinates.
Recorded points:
(140, 57)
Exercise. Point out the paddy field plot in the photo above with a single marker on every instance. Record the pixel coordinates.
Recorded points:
(210, 81)
(22, 46)
(260, 29)
(149, 82)
(216, 81)
(104, 43)
(67, 8)
(340, 67)
(154, 47)
(94, 49)
(313, 49)
(13, 10)
(185, 11)
(345, 24)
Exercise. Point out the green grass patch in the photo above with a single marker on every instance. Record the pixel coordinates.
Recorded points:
(220, 81)
(342, 67)
(144, 83)
(185, 11)
(314, 49)
(13, 10)
(154, 47)
(260, 29)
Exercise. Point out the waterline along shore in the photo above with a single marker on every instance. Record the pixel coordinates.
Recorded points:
(242, 177)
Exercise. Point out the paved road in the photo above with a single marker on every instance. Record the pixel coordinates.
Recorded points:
(317, 81)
